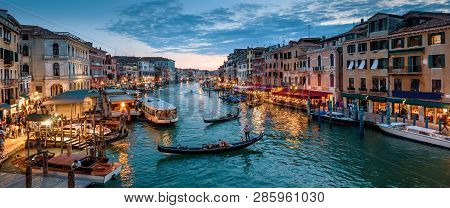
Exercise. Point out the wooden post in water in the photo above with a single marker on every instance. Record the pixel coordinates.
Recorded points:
(361, 123)
(426, 122)
(93, 134)
(45, 164)
(27, 129)
(440, 124)
(28, 176)
(308, 109)
(71, 118)
(71, 179)
(330, 111)
(62, 134)
(388, 114)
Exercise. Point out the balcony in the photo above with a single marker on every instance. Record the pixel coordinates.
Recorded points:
(318, 68)
(351, 88)
(418, 95)
(8, 82)
(411, 70)
(362, 89)
(56, 56)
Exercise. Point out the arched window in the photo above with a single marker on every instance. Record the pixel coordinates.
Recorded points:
(56, 49)
(309, 62)
(331, 59)
(25, 70)
(55, 69)
(25, 51)
(319, 61)
(319, 80)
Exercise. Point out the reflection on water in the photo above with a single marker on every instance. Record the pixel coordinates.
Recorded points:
(293, 153)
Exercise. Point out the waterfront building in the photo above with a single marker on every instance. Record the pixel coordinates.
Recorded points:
(232, 64)
(321, 69)
(242, 73)
(59, 61)
(400, 61)
(164, 68)
(111, 69)
(127, 69)
(9, 65)
(255, 65)
(98, 71)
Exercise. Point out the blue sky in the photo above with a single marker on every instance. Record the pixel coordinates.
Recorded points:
(199, 33)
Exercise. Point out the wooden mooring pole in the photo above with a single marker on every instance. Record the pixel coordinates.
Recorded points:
(28, 177)
(71, 179)
(45, 164)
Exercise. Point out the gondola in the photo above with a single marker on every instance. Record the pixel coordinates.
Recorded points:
(222, 118)
(206, 149)
(254, 103)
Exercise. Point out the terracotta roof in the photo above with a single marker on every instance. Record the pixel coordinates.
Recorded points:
(432, 20)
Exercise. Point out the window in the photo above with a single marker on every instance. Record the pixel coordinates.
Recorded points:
(414, 41)
(24, 36)
(55, 69)
(415, 85)
(319, 61)
(25, 51)
(351, 83)
(309, 62)
(398, 43)
(414, 64)
(373, 26)
(378, 25)
(398, 63)
(1, 32)
(351, 49)
(331, 59)
(363, 85)
(331, 80)
(379, 45)
(55, 49)
(375, 84)
(436, 61)
(383, 63)
(25, 70)
(383, 85)
(350, 64)
(436, 38)
(362, 47)
(397, 85)
(319, 80)
(436, 85)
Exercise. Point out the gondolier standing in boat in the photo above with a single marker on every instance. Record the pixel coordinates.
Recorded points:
(247, 132)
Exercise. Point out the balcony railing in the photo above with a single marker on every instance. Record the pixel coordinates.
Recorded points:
(362, 89)
(318, 68)
(417, 95)
(414, 69)
(350, 88)
(8, 82)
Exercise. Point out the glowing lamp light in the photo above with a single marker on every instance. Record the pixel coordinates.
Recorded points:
(46, 122)
(122, 105)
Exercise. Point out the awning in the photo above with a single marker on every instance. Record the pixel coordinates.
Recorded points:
(395, 100)
(362, 65)
(351, 65)
(429, 104)
(38, 117)
(71, 97)
(5, 106)
(407, 51)
(354, 96)
(377, 98)
(374, 64)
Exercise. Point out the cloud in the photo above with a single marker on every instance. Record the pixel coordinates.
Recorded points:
(165, 26)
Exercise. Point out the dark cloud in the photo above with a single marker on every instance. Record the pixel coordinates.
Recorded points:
(162, 24)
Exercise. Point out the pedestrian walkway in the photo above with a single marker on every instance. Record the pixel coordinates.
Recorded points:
(12, 146)
(10, 180)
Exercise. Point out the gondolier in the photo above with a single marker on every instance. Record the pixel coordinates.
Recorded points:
(247, 132)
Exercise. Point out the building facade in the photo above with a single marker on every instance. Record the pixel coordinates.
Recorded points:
(59, 61)
(9, 61)
(98, 70)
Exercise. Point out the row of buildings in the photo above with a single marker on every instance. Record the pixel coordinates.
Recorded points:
(395, 60)
(36, 62)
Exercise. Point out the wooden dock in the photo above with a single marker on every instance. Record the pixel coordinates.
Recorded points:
(12, 180)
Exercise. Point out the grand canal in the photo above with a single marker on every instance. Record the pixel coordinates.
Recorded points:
(292, 154)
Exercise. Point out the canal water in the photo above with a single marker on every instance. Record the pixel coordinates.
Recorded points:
(292, 153)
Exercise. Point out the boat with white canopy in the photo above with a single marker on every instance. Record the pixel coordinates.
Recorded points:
(158, 111)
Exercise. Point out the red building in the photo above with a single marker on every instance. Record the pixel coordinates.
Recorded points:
(97, 58)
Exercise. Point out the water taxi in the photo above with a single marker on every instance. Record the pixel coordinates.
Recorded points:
(158, 111)
(339, 118)
(416, 133)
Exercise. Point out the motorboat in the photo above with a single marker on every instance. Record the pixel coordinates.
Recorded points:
(416, 133)
(158, 111)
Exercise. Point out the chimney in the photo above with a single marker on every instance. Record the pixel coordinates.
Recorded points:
(362, 20)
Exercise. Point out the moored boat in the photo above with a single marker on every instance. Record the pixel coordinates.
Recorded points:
(92, 169)
(158, 111)
(222, 118)
(209, 149)
(254, 103)
(416, 133)
(339, 118)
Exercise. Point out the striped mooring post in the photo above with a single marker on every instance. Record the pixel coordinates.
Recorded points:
(426, 122)
(414, 120)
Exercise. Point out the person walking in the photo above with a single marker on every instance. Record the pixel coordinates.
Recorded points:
(247, 132)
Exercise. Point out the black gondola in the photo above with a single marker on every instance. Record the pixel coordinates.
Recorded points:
(207, 150)
(222, 118)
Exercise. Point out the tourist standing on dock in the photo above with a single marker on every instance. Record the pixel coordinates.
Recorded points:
(247, 132)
